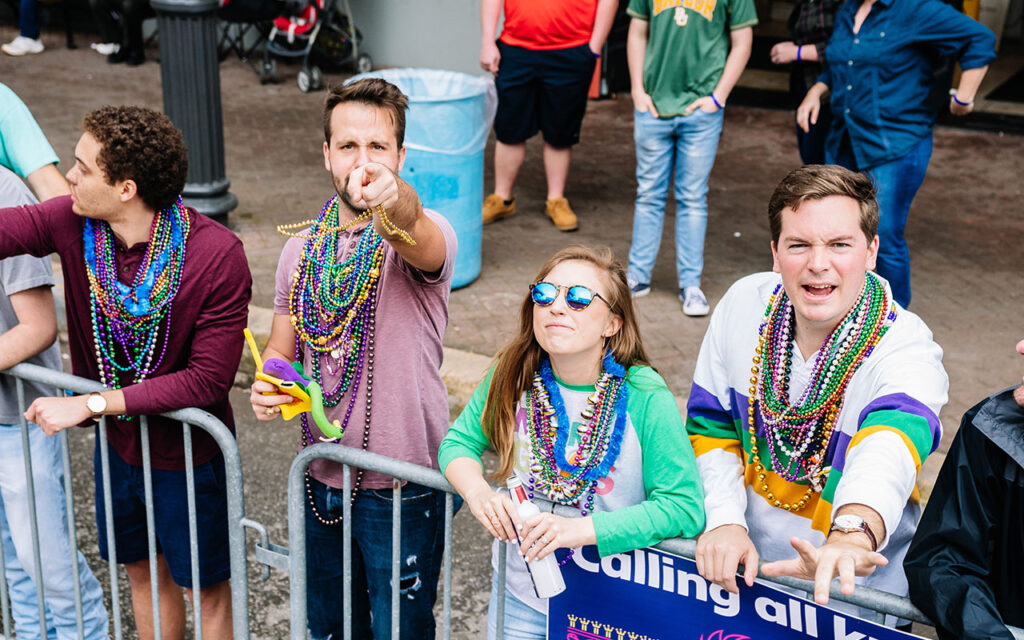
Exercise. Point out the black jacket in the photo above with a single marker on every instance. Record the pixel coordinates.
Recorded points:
(966, 563)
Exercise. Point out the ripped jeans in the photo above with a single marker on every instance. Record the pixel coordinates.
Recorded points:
(422, 547)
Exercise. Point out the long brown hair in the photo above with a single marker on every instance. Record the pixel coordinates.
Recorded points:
(517, 361)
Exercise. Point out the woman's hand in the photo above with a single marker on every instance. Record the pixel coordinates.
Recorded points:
(958, 109)
(543, 533)
(807, 112)
(495, 511)
(266, 407)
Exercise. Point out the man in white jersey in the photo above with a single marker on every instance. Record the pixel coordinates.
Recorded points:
(814, 401)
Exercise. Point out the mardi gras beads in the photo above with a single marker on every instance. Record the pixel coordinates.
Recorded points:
(575, 481)
(332, 308)
(799, 433)
(125, 318)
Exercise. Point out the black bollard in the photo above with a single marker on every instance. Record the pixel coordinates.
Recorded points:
(190, 73)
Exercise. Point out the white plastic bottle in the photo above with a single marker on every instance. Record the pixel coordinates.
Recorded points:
(545, 572)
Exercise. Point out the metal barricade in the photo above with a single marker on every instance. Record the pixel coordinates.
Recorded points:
(292, 559)
(235, 504)
(398, 469)
(881, 602)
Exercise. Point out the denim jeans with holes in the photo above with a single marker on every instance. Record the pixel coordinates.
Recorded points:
(689, 143)
(422, 548)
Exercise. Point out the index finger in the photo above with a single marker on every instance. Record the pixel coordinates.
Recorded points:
(354, 185)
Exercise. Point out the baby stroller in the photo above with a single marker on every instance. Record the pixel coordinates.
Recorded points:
(321, 31)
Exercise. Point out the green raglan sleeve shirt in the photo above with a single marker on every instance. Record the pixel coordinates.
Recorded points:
(675, 501)
(465, 438)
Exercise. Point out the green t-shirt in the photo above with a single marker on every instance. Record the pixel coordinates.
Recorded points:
(687, 46)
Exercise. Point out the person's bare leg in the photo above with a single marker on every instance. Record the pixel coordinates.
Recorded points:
(172, 606)
(507, 160)
(556, 168)
(216, 605)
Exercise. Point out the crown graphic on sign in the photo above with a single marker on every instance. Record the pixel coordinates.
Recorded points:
(587, 629)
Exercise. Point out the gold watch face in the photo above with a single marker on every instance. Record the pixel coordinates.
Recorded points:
(848, 523)
(96, 403)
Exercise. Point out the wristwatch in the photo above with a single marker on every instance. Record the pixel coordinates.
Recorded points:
(848, 523)
(97, 404)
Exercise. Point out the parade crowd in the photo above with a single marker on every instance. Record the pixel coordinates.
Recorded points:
(815, 398)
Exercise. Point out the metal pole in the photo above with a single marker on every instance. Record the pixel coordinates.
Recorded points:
(190, 75)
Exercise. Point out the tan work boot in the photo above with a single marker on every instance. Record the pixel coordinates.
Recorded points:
(496, 209)
(562, 214)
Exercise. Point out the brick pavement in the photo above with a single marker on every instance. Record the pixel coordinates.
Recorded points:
(964, 230)
(961, 229)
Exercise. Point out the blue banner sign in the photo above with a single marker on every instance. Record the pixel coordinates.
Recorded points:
(652, 595)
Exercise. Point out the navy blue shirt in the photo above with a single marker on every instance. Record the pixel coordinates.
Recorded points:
(880, 77)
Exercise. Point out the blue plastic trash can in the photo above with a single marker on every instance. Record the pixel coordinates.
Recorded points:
(450, 116)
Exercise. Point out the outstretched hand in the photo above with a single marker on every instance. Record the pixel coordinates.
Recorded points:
(822, 564)
(371, 185)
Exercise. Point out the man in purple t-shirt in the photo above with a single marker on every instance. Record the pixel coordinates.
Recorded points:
(364, 291)
(130, 251)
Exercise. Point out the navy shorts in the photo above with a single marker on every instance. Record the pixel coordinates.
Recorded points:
(542, 90)
(170, 514)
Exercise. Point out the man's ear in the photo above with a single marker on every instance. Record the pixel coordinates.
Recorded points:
(127, 190)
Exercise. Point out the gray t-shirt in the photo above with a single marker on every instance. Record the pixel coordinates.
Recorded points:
(21, 273)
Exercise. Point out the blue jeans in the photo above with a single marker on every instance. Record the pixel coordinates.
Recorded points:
(28, 18)
(55, 551)
(422, 547)
(896, 183)
(690, 143)
(522, 622)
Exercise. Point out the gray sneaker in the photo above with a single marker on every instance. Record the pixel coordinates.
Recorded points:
(694, 302)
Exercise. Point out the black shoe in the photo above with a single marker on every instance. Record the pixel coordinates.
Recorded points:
(129, 58)
(135, 58)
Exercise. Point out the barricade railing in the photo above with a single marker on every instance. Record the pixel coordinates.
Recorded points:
(63, 383)
(882, 602)
(292, 559)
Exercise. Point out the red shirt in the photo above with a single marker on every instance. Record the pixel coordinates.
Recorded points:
(548, 24)
(204, 342)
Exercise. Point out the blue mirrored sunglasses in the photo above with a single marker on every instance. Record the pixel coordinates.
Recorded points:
(577, 297)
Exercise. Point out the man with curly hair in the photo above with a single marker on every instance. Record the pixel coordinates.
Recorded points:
(157, 297)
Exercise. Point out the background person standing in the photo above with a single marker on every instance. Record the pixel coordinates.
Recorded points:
(543, 64)
(682, 67)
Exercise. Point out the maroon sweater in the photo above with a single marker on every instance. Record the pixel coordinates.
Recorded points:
(206, 322)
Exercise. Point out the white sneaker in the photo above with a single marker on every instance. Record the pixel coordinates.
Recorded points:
(105, 48)
(21, 46)
(694, 302)
(637, 289)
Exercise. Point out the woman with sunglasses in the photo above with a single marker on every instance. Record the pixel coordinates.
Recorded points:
(573, 409)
